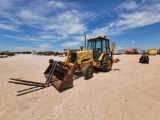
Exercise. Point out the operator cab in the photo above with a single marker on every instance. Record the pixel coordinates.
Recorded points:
(99, 45)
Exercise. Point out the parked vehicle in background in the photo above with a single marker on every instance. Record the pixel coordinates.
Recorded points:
(153, 51)
(144, 58)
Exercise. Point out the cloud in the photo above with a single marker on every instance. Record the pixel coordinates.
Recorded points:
(138, 19)
(45, 46)
(42, 37)
(133, 41)
(70, 44)
(39, 46)
(68, 23)
(56, 4)
(129, 5)
(60, 21)
(27, 48)
(23, 38)
(47, 36)
(8, 27)
(22, 49)
(143, 1)
(80, 38)
(137, 16)
(56, 16)
(51, 36)
(119, 47)
(109, 31)
(31, 17)
(51, 21)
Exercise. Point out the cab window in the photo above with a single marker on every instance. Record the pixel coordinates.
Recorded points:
(98, 46)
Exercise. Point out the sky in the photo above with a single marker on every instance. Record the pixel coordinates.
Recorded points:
(52, 25)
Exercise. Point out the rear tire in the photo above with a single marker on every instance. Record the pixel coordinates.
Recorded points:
(106, 63)
(88, 71)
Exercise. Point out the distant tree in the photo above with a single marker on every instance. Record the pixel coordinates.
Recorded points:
(56, 53)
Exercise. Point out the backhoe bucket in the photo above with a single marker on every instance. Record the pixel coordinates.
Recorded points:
(59, 76)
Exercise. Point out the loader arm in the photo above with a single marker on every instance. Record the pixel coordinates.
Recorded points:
(68, 57)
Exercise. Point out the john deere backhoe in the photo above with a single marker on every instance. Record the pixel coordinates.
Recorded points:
(98, 54)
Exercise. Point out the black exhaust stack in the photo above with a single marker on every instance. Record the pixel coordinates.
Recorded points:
(84, 41)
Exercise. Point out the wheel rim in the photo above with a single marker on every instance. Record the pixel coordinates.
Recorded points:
(90, 72)
(108, 64)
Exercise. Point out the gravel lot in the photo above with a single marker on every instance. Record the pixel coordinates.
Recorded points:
(130, 91)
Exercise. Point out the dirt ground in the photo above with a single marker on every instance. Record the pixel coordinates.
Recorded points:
(130, 91)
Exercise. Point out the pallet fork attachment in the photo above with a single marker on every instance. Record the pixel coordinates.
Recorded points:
(59, 76)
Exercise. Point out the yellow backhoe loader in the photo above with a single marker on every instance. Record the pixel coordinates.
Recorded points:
(98, 54)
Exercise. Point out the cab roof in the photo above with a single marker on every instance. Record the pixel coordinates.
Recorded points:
(104, 37)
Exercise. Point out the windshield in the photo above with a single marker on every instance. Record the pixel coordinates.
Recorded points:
(98, 45)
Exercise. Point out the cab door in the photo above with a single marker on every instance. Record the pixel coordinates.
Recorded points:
(98, 49)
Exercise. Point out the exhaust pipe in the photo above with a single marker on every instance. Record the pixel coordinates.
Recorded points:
(84, 41)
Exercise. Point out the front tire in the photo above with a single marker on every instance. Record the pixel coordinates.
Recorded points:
(88, 71)
(106, 63)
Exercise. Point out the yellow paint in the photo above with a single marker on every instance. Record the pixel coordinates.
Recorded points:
(153, 51)
(83, 64)
(101, 57)
(108, 64)
(86, 57)
(68, 58)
